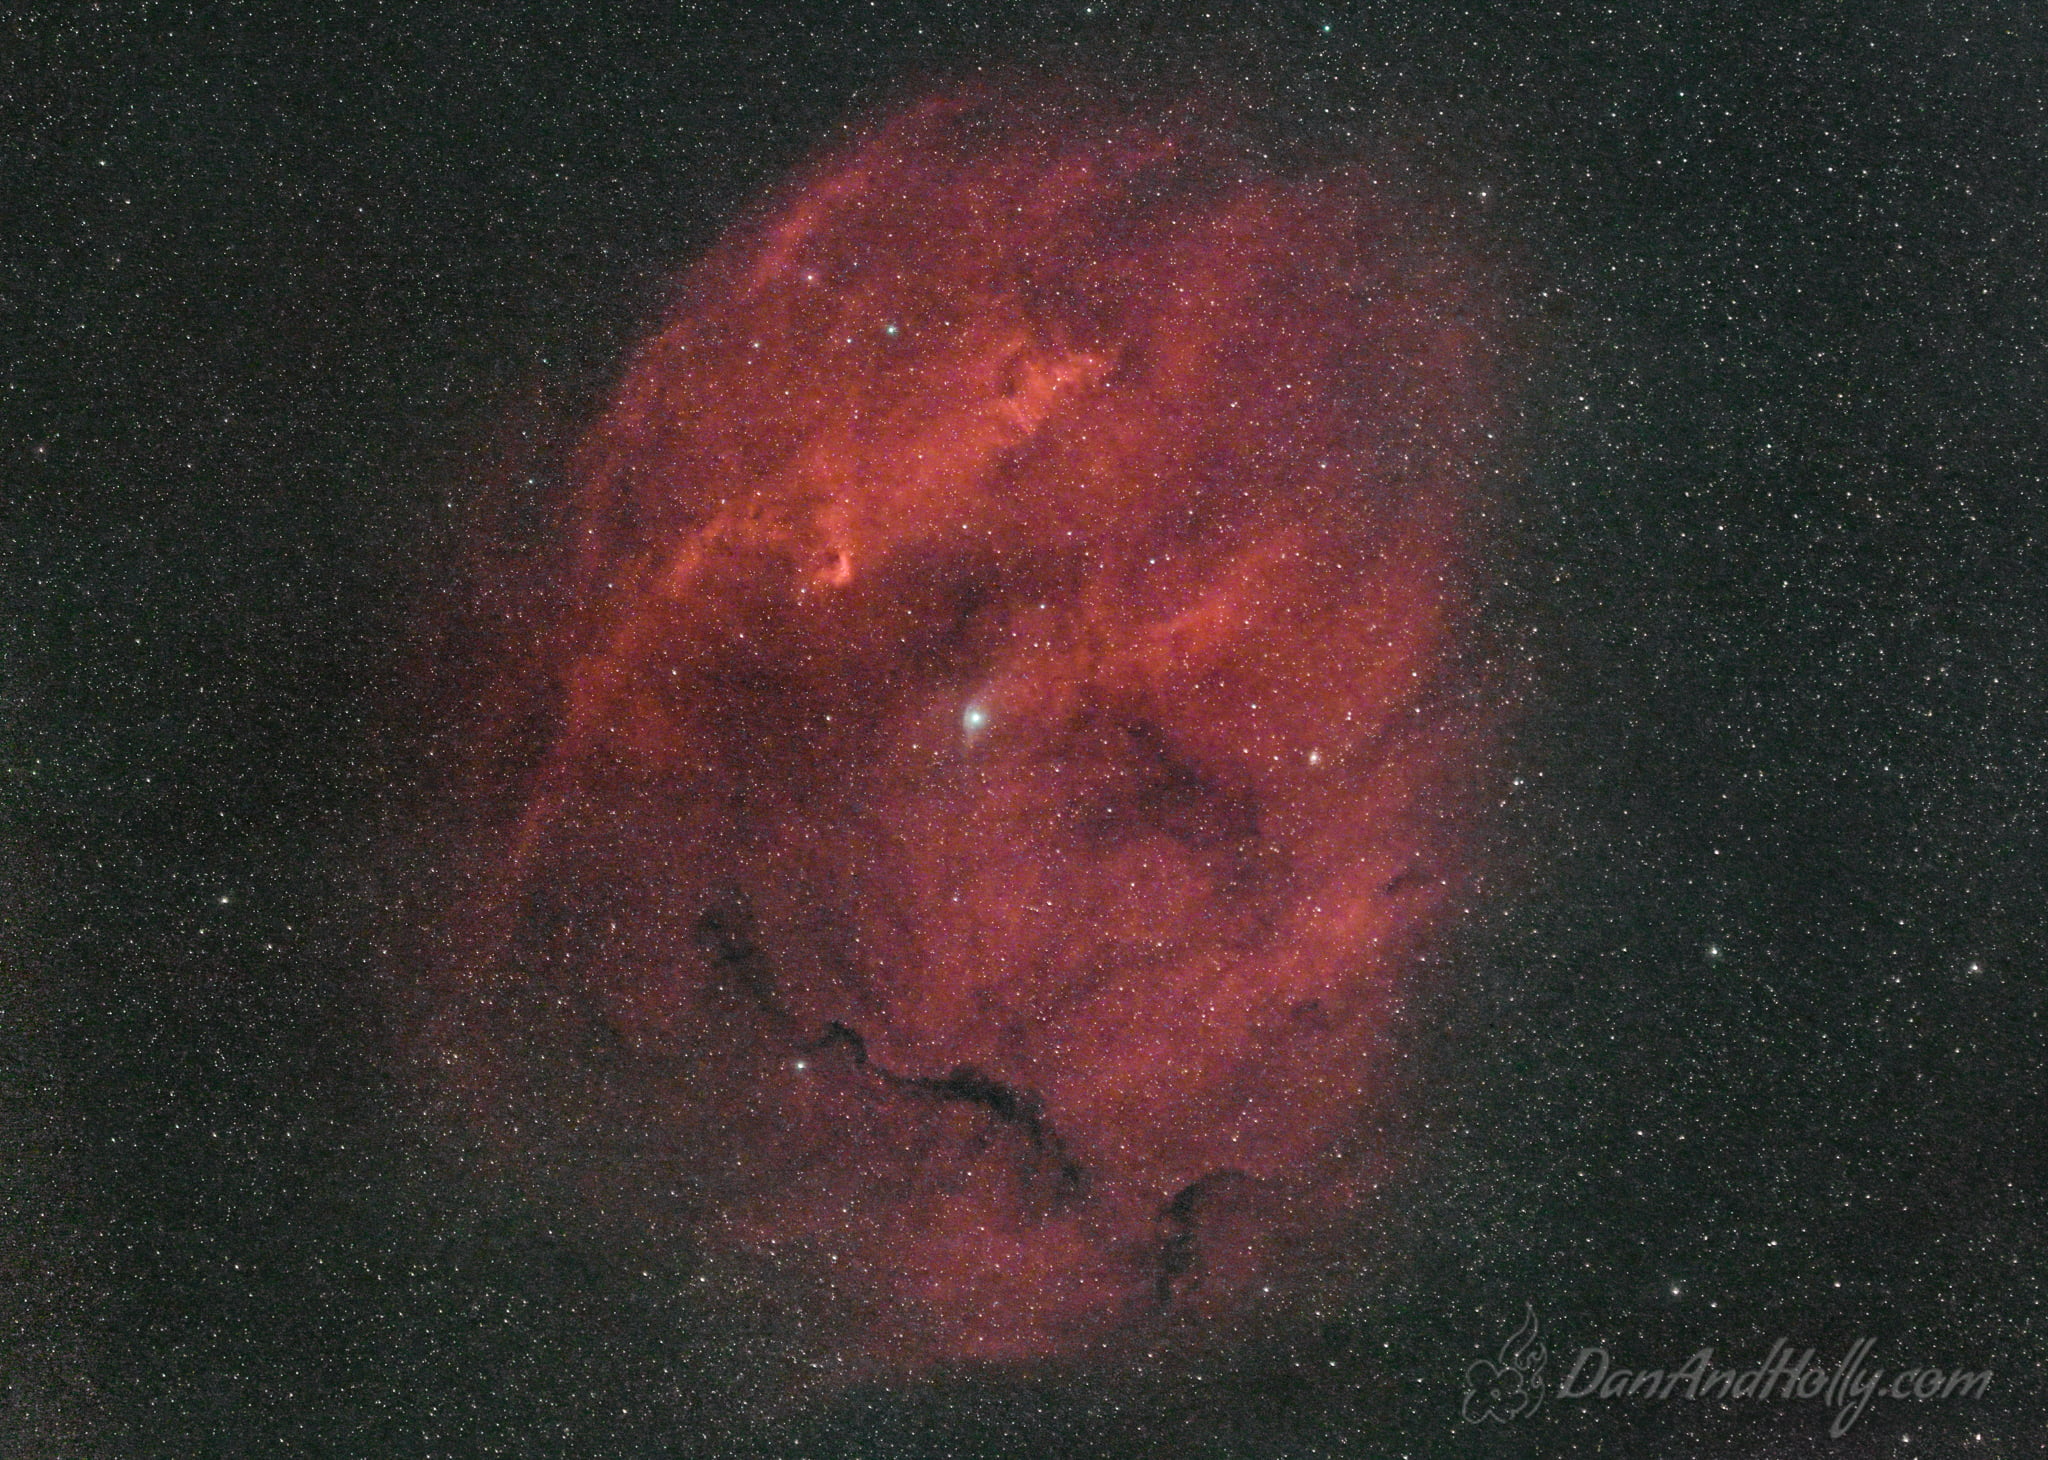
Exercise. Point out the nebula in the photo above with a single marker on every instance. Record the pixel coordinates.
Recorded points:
(1015, 734)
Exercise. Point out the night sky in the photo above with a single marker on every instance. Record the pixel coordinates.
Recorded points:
(1704, 1007)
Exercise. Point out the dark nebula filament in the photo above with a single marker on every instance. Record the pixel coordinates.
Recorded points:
(1014, 738)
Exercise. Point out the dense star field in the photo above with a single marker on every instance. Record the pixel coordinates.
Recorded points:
(926, 731)
(1021, 726)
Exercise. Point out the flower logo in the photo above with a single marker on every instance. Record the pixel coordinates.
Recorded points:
(1513, 1387)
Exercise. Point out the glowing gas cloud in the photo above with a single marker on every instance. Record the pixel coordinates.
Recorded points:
(1015, 740)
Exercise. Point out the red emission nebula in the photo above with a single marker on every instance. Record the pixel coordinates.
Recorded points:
(1015, 737)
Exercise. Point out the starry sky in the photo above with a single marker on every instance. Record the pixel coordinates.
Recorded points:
(1740, 1038)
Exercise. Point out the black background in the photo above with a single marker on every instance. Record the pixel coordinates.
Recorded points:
(1759, 1054)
